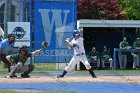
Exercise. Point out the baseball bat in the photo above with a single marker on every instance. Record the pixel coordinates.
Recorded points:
(66, 61)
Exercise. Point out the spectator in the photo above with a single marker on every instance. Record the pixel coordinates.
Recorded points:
(94, 57)
(106, 57)
(136, 55)
(123, 55)
(6, 47)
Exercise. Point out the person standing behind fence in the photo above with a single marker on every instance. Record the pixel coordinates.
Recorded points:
(123, 55)
(136, 55)
(6, 47)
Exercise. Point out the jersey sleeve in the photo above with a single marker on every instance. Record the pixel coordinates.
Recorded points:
(12, 56)
(2, 44)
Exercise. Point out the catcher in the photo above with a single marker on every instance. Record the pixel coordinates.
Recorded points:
(19, 59)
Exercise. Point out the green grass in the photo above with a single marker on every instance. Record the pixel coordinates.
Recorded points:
(2, 70)
(40, 68)
(11, 91)
(44, 68)
(111, 72)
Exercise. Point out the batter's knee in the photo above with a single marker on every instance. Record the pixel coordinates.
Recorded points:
(68, 68)
(87, 65)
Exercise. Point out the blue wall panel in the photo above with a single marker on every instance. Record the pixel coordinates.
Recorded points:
(54, 21)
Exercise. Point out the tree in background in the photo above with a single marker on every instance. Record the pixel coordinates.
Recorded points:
(132, 8)
(100, 9)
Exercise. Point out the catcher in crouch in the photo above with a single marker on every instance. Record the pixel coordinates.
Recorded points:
(19, 59)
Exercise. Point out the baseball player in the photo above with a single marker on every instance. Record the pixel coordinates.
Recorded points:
(19, 59)
(94, 57)
(79, 54)
(106, 57)
(136, 55)
(123, 55)
(6, 48)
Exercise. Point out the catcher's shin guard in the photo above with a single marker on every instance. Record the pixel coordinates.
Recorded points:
(92, 73)
(62, 75)
(26, 73)
(8, 66)
(15, 69)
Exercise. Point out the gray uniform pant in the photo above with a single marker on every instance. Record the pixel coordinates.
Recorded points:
(136, 60)
(97, 61)
(20, 68)
(122, 61)
(109, 60)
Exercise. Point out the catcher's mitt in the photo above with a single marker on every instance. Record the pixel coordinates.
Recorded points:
(44, 44)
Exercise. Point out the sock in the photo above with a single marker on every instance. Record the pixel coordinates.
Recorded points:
(64, 73)
(91, 72)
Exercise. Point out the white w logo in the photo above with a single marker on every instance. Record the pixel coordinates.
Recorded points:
(52, 20)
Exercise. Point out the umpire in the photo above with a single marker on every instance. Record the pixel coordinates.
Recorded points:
(6, 47)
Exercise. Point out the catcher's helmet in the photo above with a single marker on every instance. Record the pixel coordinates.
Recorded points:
(23, 48)
(76, 32)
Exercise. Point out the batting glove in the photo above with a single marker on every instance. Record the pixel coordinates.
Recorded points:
(67, 40)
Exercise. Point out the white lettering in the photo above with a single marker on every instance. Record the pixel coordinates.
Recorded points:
(57, 52)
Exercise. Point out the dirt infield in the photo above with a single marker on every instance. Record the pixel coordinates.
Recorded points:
(45, 79)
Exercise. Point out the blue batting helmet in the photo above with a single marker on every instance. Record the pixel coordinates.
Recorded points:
(76, 32)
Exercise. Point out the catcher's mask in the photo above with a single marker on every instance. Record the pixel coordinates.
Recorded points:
(22, 49)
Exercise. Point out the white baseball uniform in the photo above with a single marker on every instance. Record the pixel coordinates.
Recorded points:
(79, 54)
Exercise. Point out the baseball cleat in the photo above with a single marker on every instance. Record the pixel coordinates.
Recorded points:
(25, 76)
(14, 75)
(9, 76)
(94, 76)
(60, 76)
